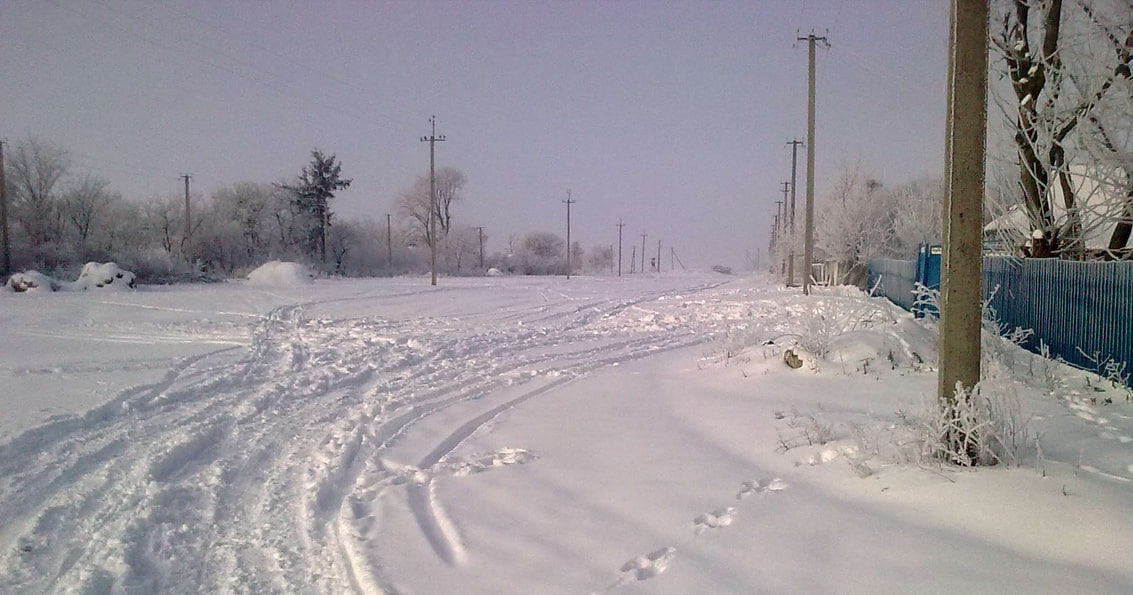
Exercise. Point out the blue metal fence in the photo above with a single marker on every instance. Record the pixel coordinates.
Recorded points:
(1072, 307)
(1079, 310)
(893, 279)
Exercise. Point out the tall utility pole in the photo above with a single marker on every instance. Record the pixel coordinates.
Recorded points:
(642, 253)
(808, 251)
(777, 239)
(4, 218)
(481, 229)
(389, 243)
(187, 242)
(790, 268)
(568, 202)
(632, 259)
(794, 170)
(432, 139)
(961, 262)
(620, 226)
(658, 256)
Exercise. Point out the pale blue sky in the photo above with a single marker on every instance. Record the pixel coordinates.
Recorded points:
(672, 116)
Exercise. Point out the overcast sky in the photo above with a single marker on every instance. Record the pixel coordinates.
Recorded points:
(671, 116)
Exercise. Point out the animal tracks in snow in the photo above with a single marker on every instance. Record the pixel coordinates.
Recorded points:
(647, 566)
(761, 486)
(713, 520)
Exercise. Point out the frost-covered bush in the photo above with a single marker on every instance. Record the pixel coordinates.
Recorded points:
(982, 426)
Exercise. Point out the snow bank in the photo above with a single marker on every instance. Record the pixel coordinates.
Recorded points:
(95, 275)
(280, 274)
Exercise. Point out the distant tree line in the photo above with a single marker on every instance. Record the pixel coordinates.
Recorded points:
(60, 218)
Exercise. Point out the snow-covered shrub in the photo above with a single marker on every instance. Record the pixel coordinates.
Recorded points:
(98, 275)
(31, 281)
(156, 266)
(280, 274)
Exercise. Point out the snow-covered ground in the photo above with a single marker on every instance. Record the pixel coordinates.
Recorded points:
(527, 435)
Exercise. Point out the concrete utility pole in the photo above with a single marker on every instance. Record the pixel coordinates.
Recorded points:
(187, 241)
(808, 251)
(776, 239)
(433, 139)
(794, 170)
(790, 238)
(620, 226)
(658, 256)
(4, 218)
(632, 259)
(568, 202)
(965, 139)
(389, 242)
(642, 253)
(481, 229)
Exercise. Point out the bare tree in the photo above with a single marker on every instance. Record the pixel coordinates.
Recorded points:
(85, 204)
(1069, 73)
(162, 218)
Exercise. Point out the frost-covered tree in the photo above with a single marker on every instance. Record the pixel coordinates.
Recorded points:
(247, 206)
(33, 171)
(311, 194)
(599, 259)
(862, 220)
(414, 203)
(539, 253)
(1070, 103)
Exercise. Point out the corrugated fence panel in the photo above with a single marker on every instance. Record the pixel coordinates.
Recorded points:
(1082, 311)
(893, 279)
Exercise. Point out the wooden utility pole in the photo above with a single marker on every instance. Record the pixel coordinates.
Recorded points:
(794, 171)
(187, 240)
(481, 230)
(568, 202)
(808, 250)
(965, 144)
(642, 253)
(4, 219)
(433, 139)
(620, 226)
(389, 243)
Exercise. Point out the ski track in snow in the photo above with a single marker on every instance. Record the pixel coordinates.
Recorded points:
(262, 469)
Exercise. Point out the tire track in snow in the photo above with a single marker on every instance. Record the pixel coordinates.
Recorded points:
(263, 473)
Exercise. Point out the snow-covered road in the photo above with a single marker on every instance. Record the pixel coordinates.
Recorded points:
(259, 469)
(530, 435)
